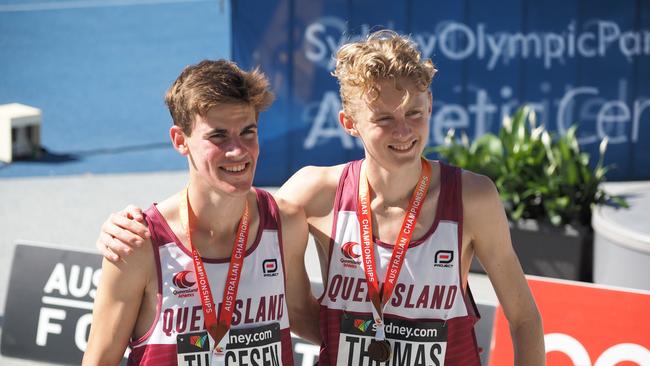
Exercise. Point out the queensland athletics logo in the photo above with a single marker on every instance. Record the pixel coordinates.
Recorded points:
(181, 281)
(444, 258)
(351, 252)
(184, 285)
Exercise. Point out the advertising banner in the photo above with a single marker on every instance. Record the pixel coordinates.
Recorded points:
(49, 303)
(575, 62)
(49, 306)
(584, 325)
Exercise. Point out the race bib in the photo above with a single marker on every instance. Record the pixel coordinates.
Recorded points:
(251, 346)
(193, 349)
(412, 343)
(254, 346)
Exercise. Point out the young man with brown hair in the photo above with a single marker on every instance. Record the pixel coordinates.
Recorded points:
(219, 236)
(396, 233)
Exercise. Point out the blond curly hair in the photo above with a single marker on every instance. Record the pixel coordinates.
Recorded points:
(383, 55)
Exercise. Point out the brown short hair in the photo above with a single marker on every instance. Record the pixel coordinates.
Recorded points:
(383, 55)
(210, 83)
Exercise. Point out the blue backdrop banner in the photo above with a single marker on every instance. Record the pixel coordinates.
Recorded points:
(575, 61)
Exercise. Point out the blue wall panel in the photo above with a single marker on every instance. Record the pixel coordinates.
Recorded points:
(320, 28)
(575, 61)
(432, 28)
(263, 40)
(493, 68)
(641, 98)
(604, 110)
(549, 68)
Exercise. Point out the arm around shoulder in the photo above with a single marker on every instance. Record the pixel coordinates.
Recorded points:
(311, 188)
(117, 304)
(486, 223)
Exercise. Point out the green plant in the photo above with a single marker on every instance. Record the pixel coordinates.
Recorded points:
(539, 176)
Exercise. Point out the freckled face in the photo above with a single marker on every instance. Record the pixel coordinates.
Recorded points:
(394, 127)
(223, 148)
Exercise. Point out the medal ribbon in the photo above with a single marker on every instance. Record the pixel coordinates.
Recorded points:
(364, 214)
(217, 327)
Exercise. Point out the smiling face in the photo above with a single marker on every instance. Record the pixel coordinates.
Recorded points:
(394, 127)
(222, 148)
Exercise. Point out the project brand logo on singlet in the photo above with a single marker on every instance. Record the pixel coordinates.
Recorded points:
(351, 254)
(270, 267)
(444, 258)
(184, 285)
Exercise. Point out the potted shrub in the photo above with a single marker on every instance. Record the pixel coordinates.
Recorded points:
(547, 187)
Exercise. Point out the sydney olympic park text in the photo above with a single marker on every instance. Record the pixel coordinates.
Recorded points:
(458, 41)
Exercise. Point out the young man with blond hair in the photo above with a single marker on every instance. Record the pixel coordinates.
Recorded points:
(396, 233)
(208, 285)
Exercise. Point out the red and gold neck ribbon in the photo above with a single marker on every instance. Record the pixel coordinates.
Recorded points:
(217, 327)
(364, 214)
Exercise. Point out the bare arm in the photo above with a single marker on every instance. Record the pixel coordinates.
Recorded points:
(312, 188)
(487, 225)
(303, 306)
(119, 295)
(309, 195)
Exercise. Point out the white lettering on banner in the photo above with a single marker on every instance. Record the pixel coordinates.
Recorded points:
(559, 342)
(96, 277)
(624, 352)
(72, 284)
(319, 44)
(65, 287)
(82, 290)
(576, 352)
(449, 44)
(57, 281)
(616, 118)
(81, 331)
(46, 326)
(459, 41)
(325, 124)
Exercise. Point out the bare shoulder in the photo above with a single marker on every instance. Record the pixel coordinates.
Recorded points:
(482, 207)
(311, 186)
(311, 179)
(478, 190)
(168, 207)
(291, 213)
